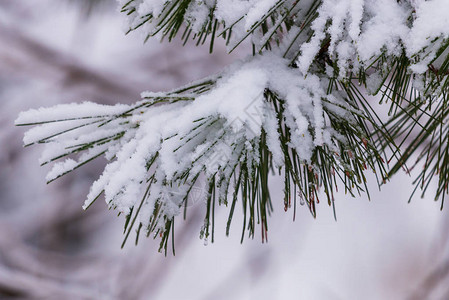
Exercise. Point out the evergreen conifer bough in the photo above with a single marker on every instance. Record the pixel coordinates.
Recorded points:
(296, 106)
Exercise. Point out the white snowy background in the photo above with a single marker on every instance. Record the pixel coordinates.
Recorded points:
(50, 53)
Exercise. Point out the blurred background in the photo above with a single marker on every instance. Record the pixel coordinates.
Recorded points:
(55, 51)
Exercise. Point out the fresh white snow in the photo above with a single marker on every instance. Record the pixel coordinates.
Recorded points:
(183, 136)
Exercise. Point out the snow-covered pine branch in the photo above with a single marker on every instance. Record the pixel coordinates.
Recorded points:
(295, 104)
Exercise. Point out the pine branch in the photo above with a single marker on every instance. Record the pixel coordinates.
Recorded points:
(339, 150)
(297, 105)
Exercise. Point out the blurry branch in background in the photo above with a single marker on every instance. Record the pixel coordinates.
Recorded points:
(20, 53)
(435, 285)
(87, 7)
